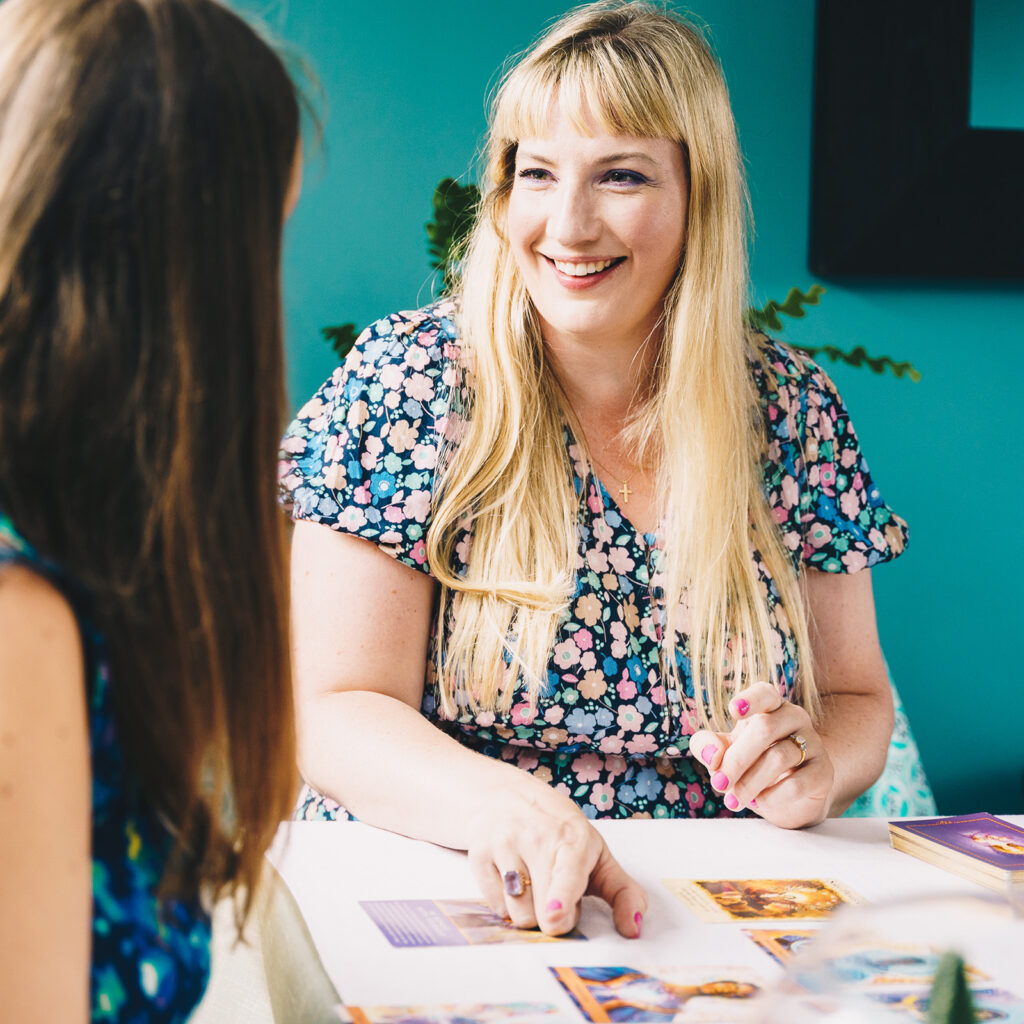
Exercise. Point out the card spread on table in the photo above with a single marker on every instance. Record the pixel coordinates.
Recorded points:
(781, 943)
(761, 899)
(662, 994)
(885, 964)
(989, 1003)
(463, 1013)
(449, 923)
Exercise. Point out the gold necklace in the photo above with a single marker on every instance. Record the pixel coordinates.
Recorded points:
(624, 490)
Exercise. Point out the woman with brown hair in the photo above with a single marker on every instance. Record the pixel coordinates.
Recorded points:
(148, 152)
(612, 547)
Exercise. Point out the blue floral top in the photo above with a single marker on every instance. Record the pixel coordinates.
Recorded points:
(150, 958)
(360, 457)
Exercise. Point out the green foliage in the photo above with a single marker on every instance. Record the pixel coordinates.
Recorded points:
(950, 1000)
(342, 338)
(455, 209)
(767, 318)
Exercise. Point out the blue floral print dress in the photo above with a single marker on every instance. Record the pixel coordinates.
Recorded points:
(150, 958)
(360, 458)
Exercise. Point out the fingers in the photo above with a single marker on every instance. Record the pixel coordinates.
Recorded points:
(709, 747)
(756, 699)
(626, 897)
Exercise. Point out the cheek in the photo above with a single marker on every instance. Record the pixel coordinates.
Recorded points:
(522, 225)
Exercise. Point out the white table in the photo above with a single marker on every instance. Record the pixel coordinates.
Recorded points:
(330, 867)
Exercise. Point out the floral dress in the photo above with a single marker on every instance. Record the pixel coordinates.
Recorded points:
(360, 458)
(150, 958)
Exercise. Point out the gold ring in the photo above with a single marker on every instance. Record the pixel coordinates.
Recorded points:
(802, 744)
(515, 882)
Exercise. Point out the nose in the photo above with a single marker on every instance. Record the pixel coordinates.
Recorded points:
(574, 217)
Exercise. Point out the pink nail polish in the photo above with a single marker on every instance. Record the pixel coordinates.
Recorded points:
(742, 706)
(708, 753)
(720, 781)
(638, 919)
(753, 803)
(553, 905)
(731, 802)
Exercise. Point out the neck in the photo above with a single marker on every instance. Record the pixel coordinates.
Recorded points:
(602, 383)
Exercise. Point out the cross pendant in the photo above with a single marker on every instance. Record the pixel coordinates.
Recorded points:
(625, 492)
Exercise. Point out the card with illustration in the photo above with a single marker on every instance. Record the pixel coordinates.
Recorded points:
(604, 994)
(892, 965)
(463, 1013)
(420, 923)
(781, 943)
(984, 837)
(989, 1003)
(761, 899)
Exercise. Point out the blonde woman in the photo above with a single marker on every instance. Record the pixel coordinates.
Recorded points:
(610, 548)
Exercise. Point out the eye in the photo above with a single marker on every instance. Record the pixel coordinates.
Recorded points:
(533, 174)
(621, 177)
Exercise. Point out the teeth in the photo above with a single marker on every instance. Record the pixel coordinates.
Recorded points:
(582, 269)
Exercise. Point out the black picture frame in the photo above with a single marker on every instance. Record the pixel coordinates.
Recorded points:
(901, 185)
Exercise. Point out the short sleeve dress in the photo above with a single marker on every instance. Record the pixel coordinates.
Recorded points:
(150, 957)
(360, 458)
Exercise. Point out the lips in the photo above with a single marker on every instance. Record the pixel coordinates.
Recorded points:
(579, 271)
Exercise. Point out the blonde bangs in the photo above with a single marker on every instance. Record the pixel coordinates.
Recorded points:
(601, 84)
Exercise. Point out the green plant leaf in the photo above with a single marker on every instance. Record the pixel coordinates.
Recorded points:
(341, 337)
(950, 999)
(767, 317)
(455, 208)
(859, 357)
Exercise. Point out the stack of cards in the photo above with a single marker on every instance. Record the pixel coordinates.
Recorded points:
(980, 847)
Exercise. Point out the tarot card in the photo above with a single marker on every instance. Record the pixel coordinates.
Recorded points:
(761, 899)
(892, 965)
(781, 944)
(978, 842)
(449, 923)
(989, 1003)
(724, 994)
(465, 1013)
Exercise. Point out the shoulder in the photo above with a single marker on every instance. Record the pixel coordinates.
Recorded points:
(407, 360)
(795, 392)
(45, 785)
(41, 656)
(33, 612)
(397, 347)
(784, 371)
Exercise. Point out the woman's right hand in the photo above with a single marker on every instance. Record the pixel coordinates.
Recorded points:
(545, 837)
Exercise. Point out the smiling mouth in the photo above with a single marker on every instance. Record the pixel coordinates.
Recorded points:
(581, 269)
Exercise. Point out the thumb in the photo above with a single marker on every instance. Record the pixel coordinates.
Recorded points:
(621, 892)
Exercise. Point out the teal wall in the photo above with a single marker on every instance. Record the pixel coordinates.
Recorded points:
(406, 82)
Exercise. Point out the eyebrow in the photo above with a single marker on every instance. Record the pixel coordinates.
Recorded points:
(614, 158)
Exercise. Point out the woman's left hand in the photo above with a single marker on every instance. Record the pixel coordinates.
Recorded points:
(760, 764)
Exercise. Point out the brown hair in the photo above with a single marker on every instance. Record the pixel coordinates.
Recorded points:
(146, 148)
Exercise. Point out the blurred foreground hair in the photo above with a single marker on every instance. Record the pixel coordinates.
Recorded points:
(146, 150)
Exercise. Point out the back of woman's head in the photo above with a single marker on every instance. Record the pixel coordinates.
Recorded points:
(146, 150)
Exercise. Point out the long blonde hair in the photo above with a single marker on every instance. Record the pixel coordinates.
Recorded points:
(635, 70)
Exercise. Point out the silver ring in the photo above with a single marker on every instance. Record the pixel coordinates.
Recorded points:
(802, 744)
(515, 882)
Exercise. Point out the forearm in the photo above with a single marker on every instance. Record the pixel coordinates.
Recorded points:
(393, 768)
(855, 728)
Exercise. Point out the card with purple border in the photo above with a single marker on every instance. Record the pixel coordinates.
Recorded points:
(983, 837)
